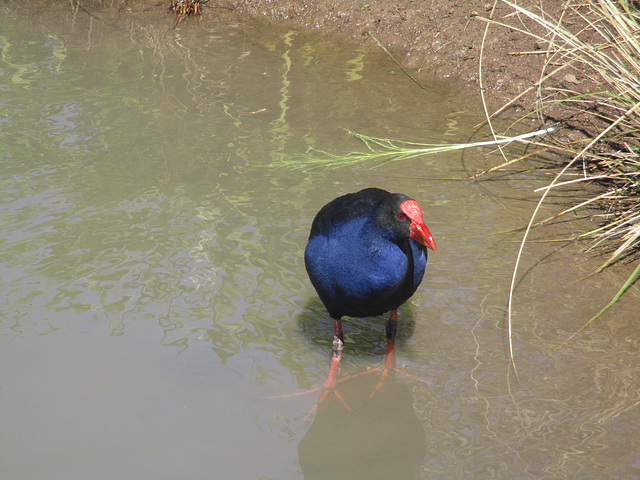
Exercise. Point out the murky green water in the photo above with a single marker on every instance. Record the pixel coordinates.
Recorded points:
(154, 297)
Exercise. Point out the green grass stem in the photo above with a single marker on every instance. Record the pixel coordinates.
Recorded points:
(381, 151)
(630, 281)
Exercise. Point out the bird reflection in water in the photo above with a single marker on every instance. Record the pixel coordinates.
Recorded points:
(365, 426)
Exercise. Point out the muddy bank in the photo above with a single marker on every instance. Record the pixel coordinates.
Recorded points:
(447, 39)
(440, 38)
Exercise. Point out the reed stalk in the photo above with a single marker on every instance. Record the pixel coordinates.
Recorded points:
(602, 42)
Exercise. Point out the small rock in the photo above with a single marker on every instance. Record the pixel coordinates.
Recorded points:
(571, 78)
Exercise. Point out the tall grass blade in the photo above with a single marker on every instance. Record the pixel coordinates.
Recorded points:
(383, 150)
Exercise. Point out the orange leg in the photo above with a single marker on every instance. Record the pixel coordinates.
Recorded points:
(391, 329)
(332, 380)
(332, 377)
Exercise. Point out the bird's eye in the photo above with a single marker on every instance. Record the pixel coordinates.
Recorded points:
(400, 216)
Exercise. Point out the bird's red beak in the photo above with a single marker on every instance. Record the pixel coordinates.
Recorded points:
(420, 233)
(418, 230)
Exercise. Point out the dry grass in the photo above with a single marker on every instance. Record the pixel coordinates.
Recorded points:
(600, 41)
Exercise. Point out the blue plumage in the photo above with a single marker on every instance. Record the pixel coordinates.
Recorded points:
(365, 254)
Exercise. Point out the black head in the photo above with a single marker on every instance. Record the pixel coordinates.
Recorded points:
(400, 217)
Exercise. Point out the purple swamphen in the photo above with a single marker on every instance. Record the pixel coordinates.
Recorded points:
(366, 256)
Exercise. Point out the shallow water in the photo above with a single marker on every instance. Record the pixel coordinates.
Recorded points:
(156, 314)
